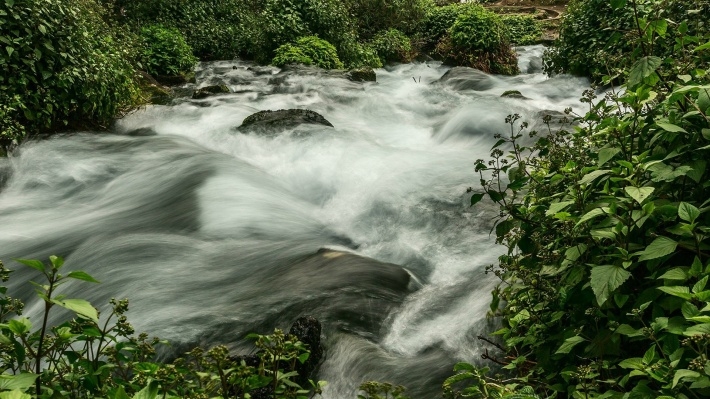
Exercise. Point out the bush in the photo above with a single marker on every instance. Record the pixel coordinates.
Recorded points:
(392, 46)
(165, 52)
(595, 37)
(522, 30)
(374, 16)
(62, 65)
(477, 39)
(437, 22)
(308, 50)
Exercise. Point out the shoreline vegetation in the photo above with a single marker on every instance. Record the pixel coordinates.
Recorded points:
(604, 288)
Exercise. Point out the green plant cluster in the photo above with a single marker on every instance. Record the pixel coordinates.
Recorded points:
(62, 66)
(596, 36)
(478, 39)
(374, 16)
(164, 51)
(392, 46)
(522, 30)
(605, 288)
(437, 22)
(89, 356)
(308, 50)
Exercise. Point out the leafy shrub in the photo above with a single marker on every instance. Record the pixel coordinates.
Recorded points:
(606, 288)
(522, 30)
(85, 358)
(392, 46)
(165, 52)
(374, 16)
(308, 50)
(363, 55)
(437, 22)
(596, 35)
(61, 65)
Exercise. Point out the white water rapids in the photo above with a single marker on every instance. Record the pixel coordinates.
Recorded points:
(213, 234)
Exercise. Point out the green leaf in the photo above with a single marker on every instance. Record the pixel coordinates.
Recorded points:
(660, 247)
(699, 329)
(689, 310)
(684, 374)
(705, 46)
(149, 392)
(120, 393)
(635, 363)
(700, 285)
(669, 127)
(56, 261)
(20, 326)
(14, 394)
(591, 215)
(591, 176)
(629, 331)
(570, 343)
(605, 154)
(674, 274)
(476, 198)
(640, 194)
(618, 4)
(606, 279)
(688, 212)
(557, 207)
(677, 290)
(33, 263)
(79, 306)
(19, 381)
(9, 50)
(79, 275)
(643, 68)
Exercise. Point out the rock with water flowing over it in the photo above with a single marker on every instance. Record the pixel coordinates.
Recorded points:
(513, 94)
(365, 74)
(208, 91)
(464, 78)
(275, 121)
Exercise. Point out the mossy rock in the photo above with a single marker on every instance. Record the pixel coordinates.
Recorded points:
(208, 91)
(364, 74)
(513, 94)
(273, 121)
(176, 80)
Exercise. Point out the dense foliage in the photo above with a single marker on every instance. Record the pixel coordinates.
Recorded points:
(308, 50)
(91, 357)
(392, 46)
(164, 51)
(605, 284)
(522, 30)
(374, 16)
(596, 36)
(62, 65)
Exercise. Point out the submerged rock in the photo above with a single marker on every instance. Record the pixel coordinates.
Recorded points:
(513, 94)
(365, 74)
(175, 80)
(208, 91)
(281, 119)
(464, 78)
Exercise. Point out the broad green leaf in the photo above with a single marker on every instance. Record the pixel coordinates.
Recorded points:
(120, 393)
(591, 215)
(80, 306)
(57, 262)
(557, 207)
(18, 381)
(669, 127)
(660, 247)
(9, 50)
(640, 194)
(700, 285)
(704, 100)
(684, 374)
(591, 176)
(688, 212)
(699, 329)
(674, 274)
(79, 275)
(20, 326)
(570, 343)
(629, 331)
(606, 279)
(33, 263)
(689, 310)
(677, 290)
(618, 4)
(149, 392)
(475, 198)
(643, 68)
(14, 394)
(635, 363)
(660, 26)
(605, 154)
(705, 46)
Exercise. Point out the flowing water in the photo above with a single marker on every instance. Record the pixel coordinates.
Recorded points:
(213, 234)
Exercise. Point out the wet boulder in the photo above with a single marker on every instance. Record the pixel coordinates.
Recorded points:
(308, 330)
(365, 74)
(280, 120)
(464, 78)
(513, 94)
(208, 91)
(176, 80)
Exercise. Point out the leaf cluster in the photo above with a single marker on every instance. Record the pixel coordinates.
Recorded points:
(164, 51)
(308, 50)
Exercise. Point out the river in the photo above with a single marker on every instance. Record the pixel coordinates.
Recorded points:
(213, 234)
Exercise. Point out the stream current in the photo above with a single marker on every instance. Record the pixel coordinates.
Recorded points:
(213, 234)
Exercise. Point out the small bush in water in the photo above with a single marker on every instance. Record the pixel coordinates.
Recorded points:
(308, 50)
(164, 51)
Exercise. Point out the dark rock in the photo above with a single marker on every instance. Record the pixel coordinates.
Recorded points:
(157, 93)
(464, 78)
(142, 132)
(176, 80)
(365, 74)
(513, 94)
(281, 119)
(308, 330)
(208, 91)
